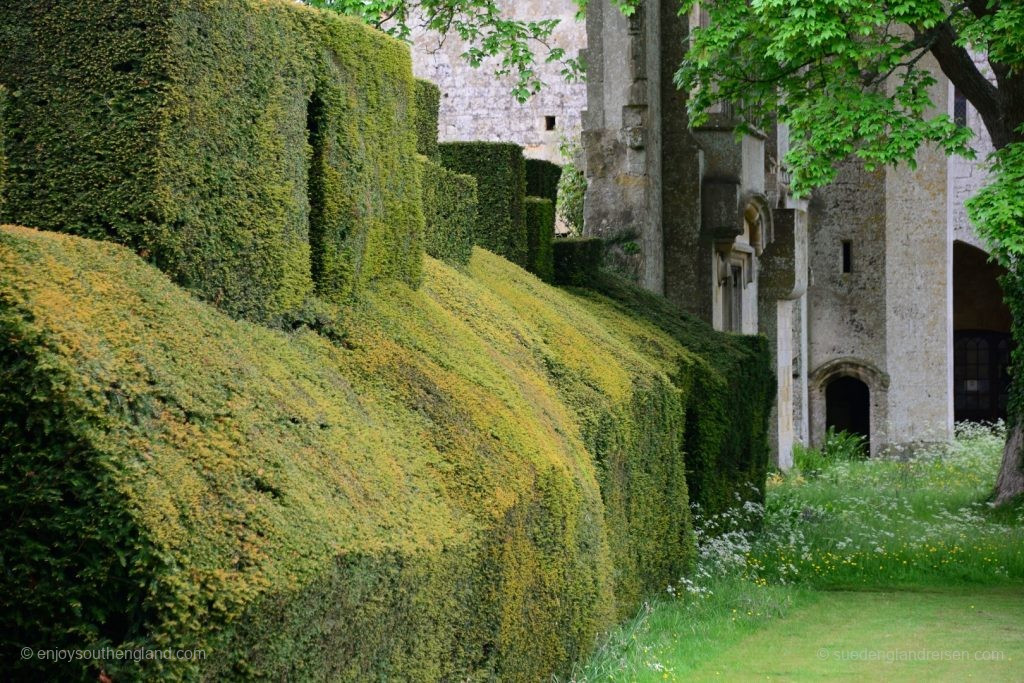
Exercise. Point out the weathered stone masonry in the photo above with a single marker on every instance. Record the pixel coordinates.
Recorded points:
(477, 105)
(691, 213)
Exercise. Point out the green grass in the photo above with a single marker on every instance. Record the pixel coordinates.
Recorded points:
(922, 522)
(671, 637)
(857, 562)
(880, 637)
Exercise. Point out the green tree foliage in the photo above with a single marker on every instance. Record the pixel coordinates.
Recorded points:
(516, 45)
(849, 79)
(572, 187)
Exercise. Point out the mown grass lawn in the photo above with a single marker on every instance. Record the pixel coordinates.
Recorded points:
(891, 569)
(883, 636)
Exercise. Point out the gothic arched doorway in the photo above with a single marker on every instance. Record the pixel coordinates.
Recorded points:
(848, 406)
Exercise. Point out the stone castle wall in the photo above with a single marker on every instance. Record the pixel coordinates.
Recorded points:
(967, 176)
(477, 105)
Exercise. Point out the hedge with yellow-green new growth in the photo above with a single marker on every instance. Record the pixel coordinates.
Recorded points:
(467, 481)
(257, 151)
(450, 209)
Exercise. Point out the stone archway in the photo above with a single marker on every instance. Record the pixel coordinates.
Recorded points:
(840, 380)
(848, 406)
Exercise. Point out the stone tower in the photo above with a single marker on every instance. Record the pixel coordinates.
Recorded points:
(694, 214)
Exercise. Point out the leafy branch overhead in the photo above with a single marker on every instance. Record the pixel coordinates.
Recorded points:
(849, 78)
(516, 46)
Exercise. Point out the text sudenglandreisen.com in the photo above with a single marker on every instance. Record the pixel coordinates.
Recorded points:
(924, 655)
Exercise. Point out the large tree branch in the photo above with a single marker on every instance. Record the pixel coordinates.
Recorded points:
(958, 65)
(980, 8)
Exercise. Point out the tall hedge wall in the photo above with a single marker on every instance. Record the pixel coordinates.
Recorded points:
(450, 208)
(542, 179)
(500, 172)
(727, 409)
(428, 104)
(252, 149)
(466, 481)
(540, 234)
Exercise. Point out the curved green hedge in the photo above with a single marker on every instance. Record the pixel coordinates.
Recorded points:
(466, 481)
(727, 409)
(542, 179)
(540, 233)
(242, 146)
(500, 172)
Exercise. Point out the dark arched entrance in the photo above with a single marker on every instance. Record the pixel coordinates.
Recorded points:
(848, 406)
(981, 337)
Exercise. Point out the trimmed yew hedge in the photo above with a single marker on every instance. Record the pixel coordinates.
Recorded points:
(727, 409)
(542, 179)
(3, 156)
(428, 103)
(450, 208)
(252, 149)
(540, 233)
(577, 260)
(500, 172)
(468, 481)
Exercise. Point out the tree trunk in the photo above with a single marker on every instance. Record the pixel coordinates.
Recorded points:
(1011, 475)
(1010, 483)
